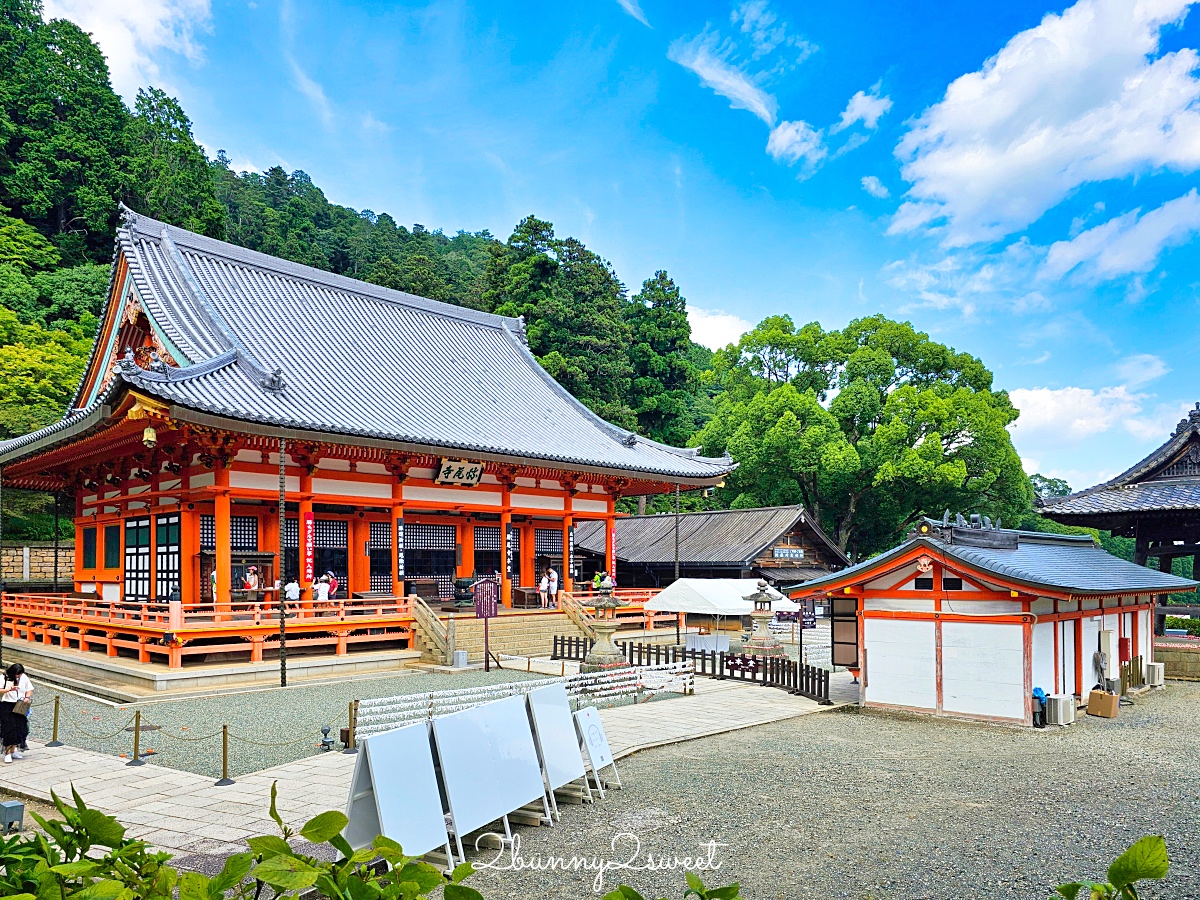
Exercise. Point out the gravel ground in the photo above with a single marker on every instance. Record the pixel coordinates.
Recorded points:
(284, 724)
(865, 804)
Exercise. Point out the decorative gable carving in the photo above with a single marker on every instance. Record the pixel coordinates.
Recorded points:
(1186, 464)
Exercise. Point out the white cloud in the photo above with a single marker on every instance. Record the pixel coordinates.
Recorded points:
(1141, 368)
(1125, 245)
(374, 126)
(714, 328)
(313, 91)
(1084, 96)
(865, 108)
(1072, 412)
(710, 60)
(131, 33)
(766, 32)
(634, 9)
(876, 188)
(794, 142)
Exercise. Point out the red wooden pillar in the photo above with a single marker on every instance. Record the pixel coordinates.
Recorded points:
(466, 543)
(305, 526)
(189, 555)
(506, 586)
(224, 557)
(358, 556)
(565, 581)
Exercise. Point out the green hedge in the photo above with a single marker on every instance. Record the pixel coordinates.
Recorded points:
(1192, 625)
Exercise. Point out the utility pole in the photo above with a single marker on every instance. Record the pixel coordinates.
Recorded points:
(676, 531)
(282, 553)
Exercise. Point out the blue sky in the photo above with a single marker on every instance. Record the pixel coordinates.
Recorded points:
(1019, 181)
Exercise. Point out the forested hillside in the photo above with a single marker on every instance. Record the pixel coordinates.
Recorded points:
(870, 426)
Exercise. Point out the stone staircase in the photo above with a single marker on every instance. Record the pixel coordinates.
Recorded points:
(516, 635)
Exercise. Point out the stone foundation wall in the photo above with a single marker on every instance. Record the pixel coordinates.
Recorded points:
(1178, 662)
(34, 561)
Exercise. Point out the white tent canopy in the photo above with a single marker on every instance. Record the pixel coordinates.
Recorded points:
(712, 597)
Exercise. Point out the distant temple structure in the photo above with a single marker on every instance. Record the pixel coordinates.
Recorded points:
(782, 544)
(1156, 502)
(420, 442)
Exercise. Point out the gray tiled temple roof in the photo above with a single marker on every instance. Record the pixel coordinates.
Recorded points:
(1166, 480)
(731, 537)
(357, 359)
(1062, 563)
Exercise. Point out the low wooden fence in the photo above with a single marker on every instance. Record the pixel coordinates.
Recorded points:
(777, 672)
(1133, 674)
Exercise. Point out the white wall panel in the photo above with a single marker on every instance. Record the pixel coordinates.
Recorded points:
(1043, 656)
(902, 605)
(579, 504)
(983, 669)
(900, 663)
(1143, 648)
(262, 481)
(536, 501)
(373, 489)
(1066, 658)
(1091, 643)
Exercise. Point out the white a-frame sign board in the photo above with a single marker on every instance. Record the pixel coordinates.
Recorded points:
(594, 742)
(394, 792)
(557, 742)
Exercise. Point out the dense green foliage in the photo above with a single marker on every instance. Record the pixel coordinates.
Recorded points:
(85, 855)
(871, 426)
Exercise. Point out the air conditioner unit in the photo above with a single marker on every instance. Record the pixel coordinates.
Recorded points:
(1109, 647)
(1060, 709)
(1154, 674)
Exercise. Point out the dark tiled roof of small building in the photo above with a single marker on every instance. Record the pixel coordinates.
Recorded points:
(726, 537)
(357, 359)
(1151, 496)
(1071, 564)
(778, 575)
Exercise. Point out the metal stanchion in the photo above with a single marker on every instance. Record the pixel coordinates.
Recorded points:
(137, 738)
(225, 779)
(54, 741)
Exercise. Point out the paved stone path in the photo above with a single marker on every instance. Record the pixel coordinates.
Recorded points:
(188, 815)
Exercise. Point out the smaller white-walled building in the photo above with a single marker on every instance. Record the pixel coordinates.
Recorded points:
(966, 620)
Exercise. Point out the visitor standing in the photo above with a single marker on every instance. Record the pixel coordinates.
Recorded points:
(552, 592)
(333, 584)
(291, 592)
(14, 710)
(543, 588)
(321, 589)
(251, 584)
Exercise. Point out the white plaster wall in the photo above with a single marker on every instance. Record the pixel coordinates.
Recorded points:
(536, 501)
(1066, 658)
(983, 669)
(1091, 643)
(901, 605)
(372, 489)
(581, 505)
(262, 481)
(900, 663)
(449, 495)
(1043, 656)
(1144, 626)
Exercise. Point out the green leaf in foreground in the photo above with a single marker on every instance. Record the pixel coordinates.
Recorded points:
(1147, 858)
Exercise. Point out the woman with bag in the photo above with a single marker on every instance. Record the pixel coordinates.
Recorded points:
(14, 709)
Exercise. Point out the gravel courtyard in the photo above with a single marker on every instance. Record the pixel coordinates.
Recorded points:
(865, 804)
(267, 726)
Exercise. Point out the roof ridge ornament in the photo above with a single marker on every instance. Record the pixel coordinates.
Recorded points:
(274, 381)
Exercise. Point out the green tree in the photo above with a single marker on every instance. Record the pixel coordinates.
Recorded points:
(663, 390)
(1048, 488)
(170, 177)
(39, 370)
(23, 247)
(65, 133)
(914, 428)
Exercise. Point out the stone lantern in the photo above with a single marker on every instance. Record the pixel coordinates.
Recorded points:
(762, 642)
(604, 654)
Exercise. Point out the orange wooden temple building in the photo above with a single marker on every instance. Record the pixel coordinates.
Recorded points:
(422, 442)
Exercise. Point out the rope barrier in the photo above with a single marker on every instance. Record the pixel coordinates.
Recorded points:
(97, 737)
